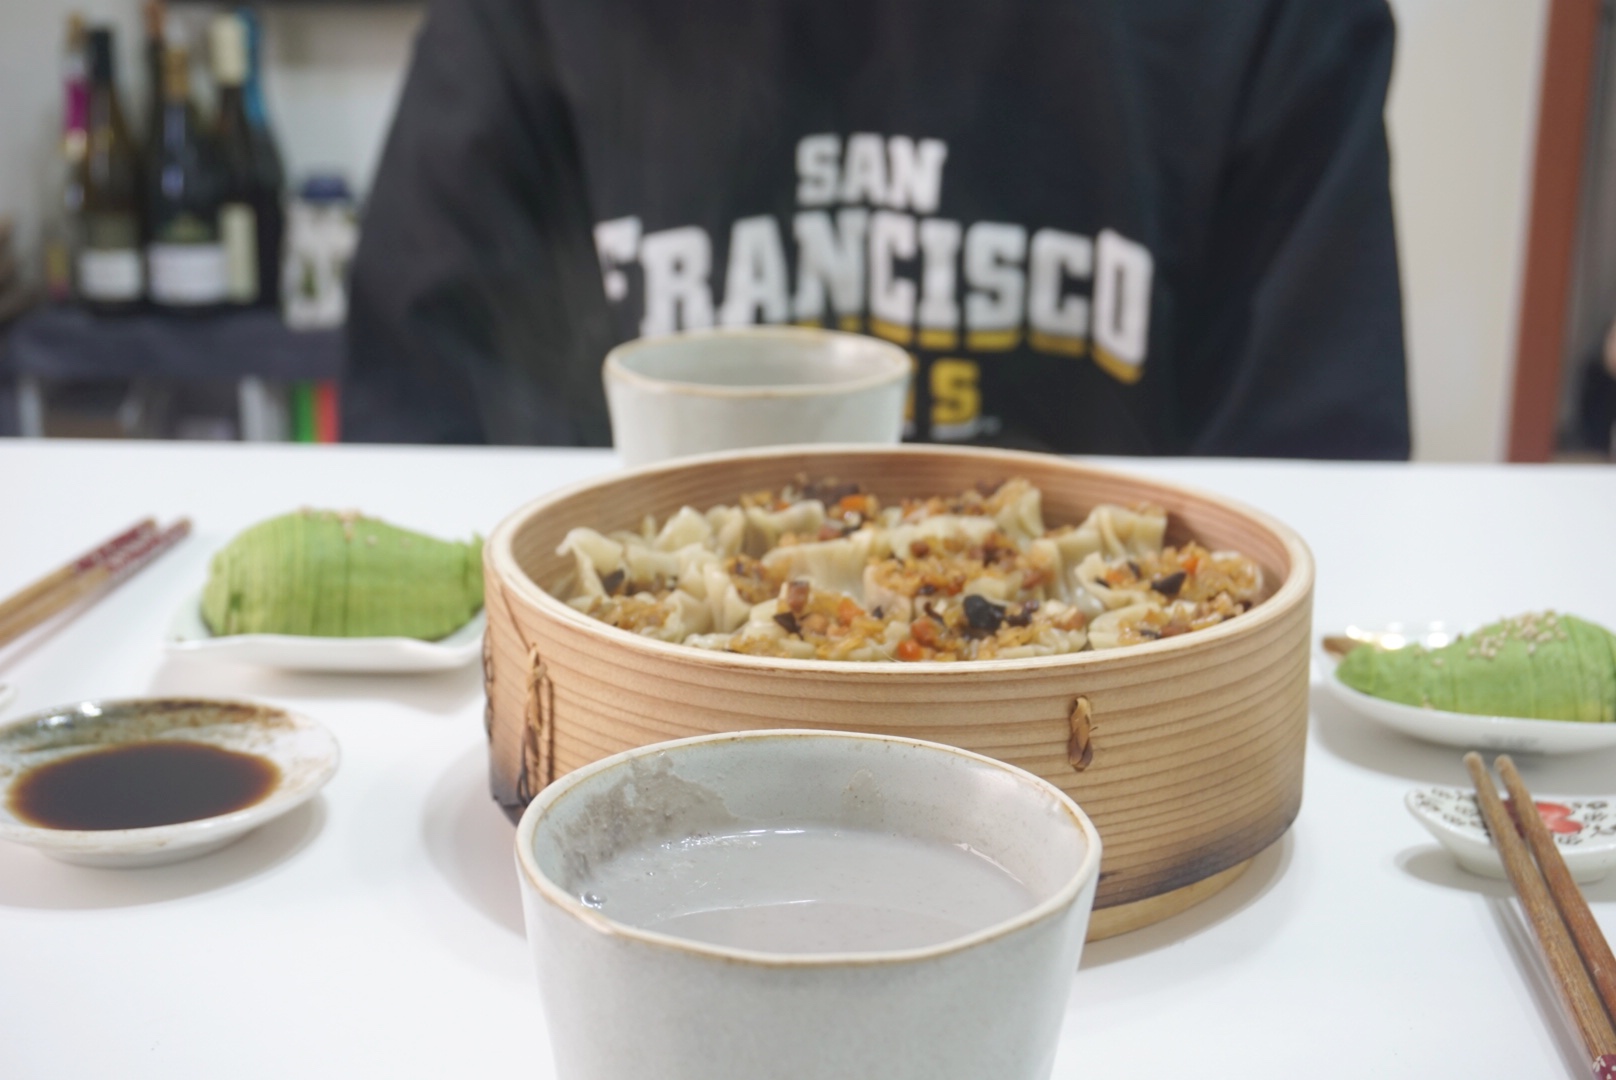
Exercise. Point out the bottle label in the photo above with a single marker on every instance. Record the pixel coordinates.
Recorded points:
(187, 274)
(238, 228)
(110, 276)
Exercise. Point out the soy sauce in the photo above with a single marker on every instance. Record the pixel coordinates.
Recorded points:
(141, 784)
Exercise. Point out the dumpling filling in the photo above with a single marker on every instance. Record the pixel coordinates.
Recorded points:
(825, 571)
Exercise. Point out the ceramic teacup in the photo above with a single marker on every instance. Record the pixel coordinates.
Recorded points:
(630, 997)
(711, 390)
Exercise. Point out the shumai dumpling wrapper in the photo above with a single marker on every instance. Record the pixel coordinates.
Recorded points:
(324, 574)
(1542, 667)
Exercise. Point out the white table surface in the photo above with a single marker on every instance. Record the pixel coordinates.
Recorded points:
(377, 931)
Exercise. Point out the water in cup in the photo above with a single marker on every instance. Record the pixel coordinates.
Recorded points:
(807, 889)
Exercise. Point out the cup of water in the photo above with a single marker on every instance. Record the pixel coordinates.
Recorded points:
(813, 904)
(732, 389)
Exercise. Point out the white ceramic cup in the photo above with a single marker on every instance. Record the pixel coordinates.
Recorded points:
(622, 1001)
(710, 390)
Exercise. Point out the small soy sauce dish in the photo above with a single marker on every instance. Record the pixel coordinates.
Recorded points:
(149, 781)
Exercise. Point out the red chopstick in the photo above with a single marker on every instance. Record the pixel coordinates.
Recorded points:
(100, 571)
(28, 594)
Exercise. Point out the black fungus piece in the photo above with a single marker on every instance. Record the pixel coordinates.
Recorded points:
(613, 582)
(1168, 586)
(789, 621)
(982, 613)
(1022, 615)
(1137, 573)
(878, 612)
(926, 589)
(1149, 633)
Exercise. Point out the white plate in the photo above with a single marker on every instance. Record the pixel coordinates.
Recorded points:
(1512, 734)
(305, 753)
(7, 692)
(1583, 829)
(188, 635)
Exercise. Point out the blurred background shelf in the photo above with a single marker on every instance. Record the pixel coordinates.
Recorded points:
(158, 360)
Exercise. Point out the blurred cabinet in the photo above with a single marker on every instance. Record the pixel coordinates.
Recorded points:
(252, 350)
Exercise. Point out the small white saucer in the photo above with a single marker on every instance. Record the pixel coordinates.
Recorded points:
(188, 635)
(305, 753)
(1583, 829)
(1511, 734)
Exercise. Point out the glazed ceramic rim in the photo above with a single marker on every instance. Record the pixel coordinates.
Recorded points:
(1086, 873)
(897, 359)
(282, 799)
(498, 556)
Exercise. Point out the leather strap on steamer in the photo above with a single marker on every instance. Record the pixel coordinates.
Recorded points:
(1080, 746)
(537, 766)
(538, 733)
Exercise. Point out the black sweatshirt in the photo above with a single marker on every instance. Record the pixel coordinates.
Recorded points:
(1121, 226)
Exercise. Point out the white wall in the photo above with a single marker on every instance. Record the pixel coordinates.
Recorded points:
(332, 73)
(1463, 123)
(333, 76)
(1462, 120)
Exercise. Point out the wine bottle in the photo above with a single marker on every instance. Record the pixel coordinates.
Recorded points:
(267, 167)
(250, 191)
(185, 259)
(154, 15)
(109, 269)
(61, 228)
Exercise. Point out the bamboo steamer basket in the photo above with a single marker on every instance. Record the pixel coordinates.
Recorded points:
(1186, 752)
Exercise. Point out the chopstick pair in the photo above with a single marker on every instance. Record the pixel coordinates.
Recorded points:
(98, 570)
(1569, 940)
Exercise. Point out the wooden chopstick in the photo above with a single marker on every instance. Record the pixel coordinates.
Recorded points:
(1568, 899)
(1554, 943)
(103, 576)
(28, 594)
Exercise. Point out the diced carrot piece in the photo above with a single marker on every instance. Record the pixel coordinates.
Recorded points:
(848, 610)
(924, 631)
(908, 650)
(854, 504)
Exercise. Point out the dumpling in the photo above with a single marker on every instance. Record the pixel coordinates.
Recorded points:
(728, 524)
(1091, 577)
(893, 604)
(993, 585)
(1109, 630)
(595, 556)
(1022, 515)
(644, 564)
(684, 616)
(1119, 533)
(683, 529)
(836, 565)
(966, 529)
(765, 527)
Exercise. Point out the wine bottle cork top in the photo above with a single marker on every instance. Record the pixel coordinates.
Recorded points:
(227, 38)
